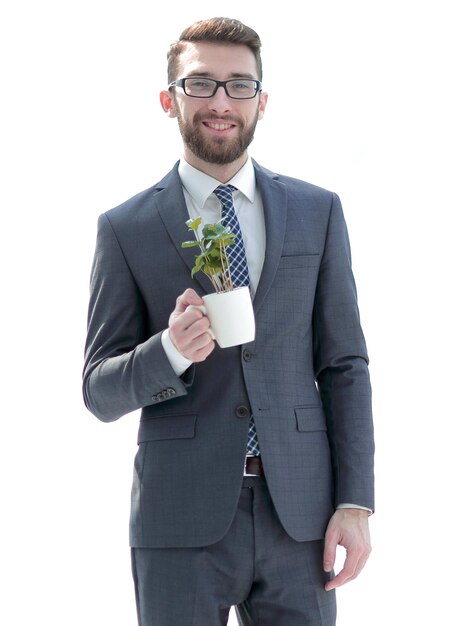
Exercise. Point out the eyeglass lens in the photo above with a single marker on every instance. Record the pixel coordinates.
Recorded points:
(206, 87)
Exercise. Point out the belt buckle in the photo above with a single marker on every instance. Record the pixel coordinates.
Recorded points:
(246, 472)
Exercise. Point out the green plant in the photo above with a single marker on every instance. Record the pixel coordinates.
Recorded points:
(212, 260)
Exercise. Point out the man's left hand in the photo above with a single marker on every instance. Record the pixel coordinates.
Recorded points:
(347, 528)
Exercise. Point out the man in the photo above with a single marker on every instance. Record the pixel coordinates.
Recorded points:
(254, 462)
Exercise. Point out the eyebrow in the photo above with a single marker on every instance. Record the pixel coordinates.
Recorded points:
(209, 75)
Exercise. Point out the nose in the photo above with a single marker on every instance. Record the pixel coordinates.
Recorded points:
(220, 102)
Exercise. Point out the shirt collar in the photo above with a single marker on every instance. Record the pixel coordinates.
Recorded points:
(200, 186)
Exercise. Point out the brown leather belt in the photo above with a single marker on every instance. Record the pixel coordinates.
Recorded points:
(254, 466)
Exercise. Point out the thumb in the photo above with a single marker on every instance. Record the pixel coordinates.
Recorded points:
(329, 552)
(185, 299)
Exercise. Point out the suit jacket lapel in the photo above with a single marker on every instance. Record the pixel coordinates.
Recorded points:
(172, 209)
(274, 198)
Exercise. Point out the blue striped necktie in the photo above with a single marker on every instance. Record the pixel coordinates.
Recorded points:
(239, 272)
(236, 252)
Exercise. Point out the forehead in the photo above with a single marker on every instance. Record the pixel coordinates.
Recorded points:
(218, 60)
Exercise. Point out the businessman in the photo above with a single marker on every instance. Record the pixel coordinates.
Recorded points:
(254, 462)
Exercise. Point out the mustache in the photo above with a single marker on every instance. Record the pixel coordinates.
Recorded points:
(210, 117)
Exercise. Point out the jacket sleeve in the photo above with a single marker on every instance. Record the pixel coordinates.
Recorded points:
(341, 368)
(124, 368)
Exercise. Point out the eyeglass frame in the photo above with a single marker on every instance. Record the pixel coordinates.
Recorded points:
(180, 82)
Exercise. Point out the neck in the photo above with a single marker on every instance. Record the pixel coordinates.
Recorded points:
(222, 173)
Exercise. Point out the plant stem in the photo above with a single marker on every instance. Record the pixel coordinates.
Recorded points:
(227, 278)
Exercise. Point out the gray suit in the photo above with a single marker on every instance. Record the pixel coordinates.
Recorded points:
(316, 440)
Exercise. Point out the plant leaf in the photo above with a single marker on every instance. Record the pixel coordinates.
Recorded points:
(193, 224)
(209, 230)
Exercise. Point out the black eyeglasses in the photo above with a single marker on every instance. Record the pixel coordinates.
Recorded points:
(237, 88)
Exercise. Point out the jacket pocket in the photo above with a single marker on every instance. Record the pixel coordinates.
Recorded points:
(180, 426)
(300, 260)
(310, 418)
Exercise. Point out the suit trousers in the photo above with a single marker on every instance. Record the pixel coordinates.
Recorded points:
(271, 579)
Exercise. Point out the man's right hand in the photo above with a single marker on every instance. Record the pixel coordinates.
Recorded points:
(188, 329)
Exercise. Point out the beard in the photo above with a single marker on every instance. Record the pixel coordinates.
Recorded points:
(217, 150)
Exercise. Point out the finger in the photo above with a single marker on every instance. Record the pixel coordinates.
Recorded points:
(198, 349)
(191, 337)
(345, 575)
(353, 565)
(330, 545)
(191, 323)
(188, 297)
(202, 353)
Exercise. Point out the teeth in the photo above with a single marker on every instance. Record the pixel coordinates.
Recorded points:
(219, 126)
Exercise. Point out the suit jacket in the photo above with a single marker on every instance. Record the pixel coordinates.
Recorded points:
(304, 377)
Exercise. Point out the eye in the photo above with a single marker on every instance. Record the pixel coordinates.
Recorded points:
(199, 84)
(240, 85)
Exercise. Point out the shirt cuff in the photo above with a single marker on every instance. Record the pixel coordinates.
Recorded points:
(178, 362)
(354, 506)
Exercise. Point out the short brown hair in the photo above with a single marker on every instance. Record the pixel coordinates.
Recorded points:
(215, 30)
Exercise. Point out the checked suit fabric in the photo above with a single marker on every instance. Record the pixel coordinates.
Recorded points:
(240, 275)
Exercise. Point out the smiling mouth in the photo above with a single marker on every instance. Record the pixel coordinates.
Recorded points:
(218, 126)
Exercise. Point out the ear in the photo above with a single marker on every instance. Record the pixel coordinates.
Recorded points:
(167, 103)
(262, 104)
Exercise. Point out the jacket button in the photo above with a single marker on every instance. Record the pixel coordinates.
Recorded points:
(242, 411)
(171, 392)
(247, 355)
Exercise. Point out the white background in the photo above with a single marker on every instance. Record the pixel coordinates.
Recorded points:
(362, 101)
